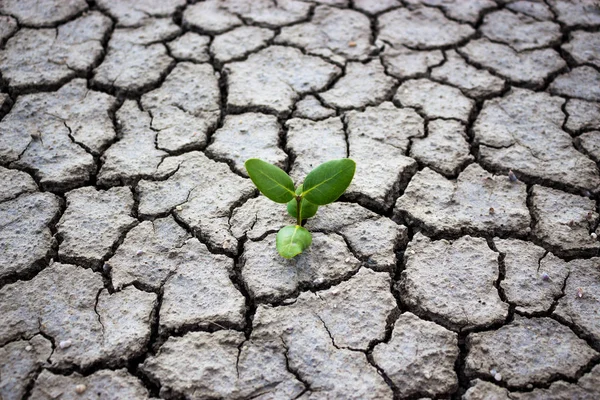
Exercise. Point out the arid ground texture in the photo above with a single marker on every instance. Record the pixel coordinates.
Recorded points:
(138, 260)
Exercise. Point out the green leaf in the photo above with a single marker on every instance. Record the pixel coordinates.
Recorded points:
(272, 181)
(326, 183)
(307, 209)
(292, 240)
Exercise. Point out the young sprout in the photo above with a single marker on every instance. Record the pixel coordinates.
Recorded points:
(323, 185)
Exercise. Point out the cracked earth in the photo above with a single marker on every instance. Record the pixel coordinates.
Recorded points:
(138, 260)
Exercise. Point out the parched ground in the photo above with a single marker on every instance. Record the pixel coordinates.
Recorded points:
(138, 260)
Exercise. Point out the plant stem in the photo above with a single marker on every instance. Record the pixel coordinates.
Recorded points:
(298, 210)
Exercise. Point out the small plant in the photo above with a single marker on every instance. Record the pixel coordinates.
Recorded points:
(323, 185)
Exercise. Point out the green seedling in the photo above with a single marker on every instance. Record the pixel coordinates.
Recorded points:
(323, 185)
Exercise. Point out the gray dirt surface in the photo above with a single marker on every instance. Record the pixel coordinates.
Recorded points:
(134, 155)
(137, 12)
(150, 253)
(564, 220)
(423, 28)
(200, 192)
(445, 149)
(476, 201)
(463, 280)
(582, 47)
(106, 384)
(55, 135)
(338, 35)
(529, 68)
(582, 114)
(14, 183)
(314, 142)
(311, 108)
(534, 278)
(25, 237)
(240, 42)
(19, 360)
(248, 135)
(587, 388)
(138, 260)
(38, 58)
(468, 11)
(519, 31)
(93, 222)
(350, 91)
(580, 302)
(375, 7)
(539, 11)
(510, 351)
(274, 78)
(214, 302)
(580, 83)
(576, 13)
(472, 81)
(31, 13)
(190, 47)
(136, 59)
(515, 132)
(385, 130)
(402, 62)
(86, 323)
(590, 143)
(419, 357)
(185, 108)
(432, 99)
(271, 278)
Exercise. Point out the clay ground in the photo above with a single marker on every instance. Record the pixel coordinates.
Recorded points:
(138, 260)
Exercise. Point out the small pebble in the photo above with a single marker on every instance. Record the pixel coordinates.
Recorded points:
(64, 344)
(545, 277)
(106, 268)
(492, 211)
(28, 348)
(511, 176)
(80, 388)
(493, 372)
(139, 252)
(594, 236)
(347, 260)
(352, 44)
(498, 377)
(579, 292)
(179, 208)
